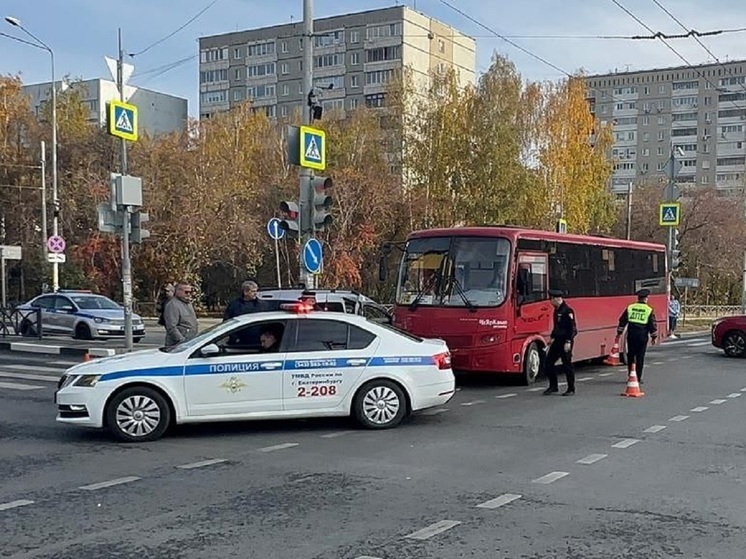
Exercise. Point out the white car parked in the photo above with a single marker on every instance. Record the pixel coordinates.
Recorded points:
(287, 364)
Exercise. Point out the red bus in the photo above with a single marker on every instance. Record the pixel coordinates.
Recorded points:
(484, 291)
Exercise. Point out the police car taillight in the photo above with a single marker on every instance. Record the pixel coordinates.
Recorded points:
(298, 308)
(443, 360)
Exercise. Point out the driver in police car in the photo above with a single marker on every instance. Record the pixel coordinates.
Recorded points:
(269, 342)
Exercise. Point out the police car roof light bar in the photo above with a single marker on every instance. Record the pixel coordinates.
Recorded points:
(299, 308)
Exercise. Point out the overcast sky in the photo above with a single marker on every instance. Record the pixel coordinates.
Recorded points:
(81, 32)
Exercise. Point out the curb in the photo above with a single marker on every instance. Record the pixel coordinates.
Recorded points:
(57, 350)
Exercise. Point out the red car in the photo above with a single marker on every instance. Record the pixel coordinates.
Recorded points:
(729, 334)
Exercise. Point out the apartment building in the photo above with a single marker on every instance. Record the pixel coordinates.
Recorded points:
(355, 55)
(698, 113)
(158, 113)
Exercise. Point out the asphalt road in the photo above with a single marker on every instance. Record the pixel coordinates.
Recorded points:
(500, 471)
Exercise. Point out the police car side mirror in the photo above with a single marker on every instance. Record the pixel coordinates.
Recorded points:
(210, 350)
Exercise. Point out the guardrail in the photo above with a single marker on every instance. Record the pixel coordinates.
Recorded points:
(15, 322)
(710, 311)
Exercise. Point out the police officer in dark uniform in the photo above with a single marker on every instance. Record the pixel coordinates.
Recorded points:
(639, 319)
(561, 343)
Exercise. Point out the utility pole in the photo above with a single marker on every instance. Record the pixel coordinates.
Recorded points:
(44, 228)
(629, 210)
(306, 195)
(126, 264)
(670, 197)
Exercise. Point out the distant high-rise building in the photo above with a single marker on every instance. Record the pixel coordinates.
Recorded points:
(158, 113)
(355, 55)
(699, 113)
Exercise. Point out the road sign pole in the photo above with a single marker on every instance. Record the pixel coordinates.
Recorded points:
(5, 279)
(305, 220)
(277, 262)
(126, 264)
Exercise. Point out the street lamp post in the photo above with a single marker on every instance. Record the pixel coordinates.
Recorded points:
(55, 219)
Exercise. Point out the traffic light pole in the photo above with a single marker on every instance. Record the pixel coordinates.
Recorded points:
(305, 219)
(126, 264)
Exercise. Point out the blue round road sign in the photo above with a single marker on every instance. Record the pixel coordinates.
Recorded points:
(313, 256)
(274, 230)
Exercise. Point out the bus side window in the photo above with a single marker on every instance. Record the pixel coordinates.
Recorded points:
(531, 283)
(523, 283)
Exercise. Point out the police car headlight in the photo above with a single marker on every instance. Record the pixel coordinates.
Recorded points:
(100, 319)
(87, 381)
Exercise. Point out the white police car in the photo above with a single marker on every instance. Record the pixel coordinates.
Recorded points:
(286, 364)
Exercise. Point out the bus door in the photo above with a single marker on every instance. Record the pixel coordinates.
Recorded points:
(532, 307)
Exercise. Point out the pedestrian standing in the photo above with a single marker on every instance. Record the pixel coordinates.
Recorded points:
(179, 317)
(167, 291)
(639, 320)
(674, 309)
(561, 344)
(247, 303)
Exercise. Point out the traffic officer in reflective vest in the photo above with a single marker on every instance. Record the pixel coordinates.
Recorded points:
(560, 344)
(639, 319)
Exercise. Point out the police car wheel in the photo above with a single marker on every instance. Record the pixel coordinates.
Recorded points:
(138, 414)
(83, 332)
(531, 364)
(380, 404)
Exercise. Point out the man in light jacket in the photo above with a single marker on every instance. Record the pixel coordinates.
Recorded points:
(179, 317)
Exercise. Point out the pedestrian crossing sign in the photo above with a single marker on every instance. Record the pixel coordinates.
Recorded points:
(312, 148)
(122, 120)
(670, 214)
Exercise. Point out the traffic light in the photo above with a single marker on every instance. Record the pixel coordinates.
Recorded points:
(675, 252)
(322, 202)
(290, 216)
(138, 234)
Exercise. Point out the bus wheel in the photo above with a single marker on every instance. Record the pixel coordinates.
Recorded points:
(531, 364)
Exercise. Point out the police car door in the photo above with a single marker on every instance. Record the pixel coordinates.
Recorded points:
(324, 363)
(239, 379)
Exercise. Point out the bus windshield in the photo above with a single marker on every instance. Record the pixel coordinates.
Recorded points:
(454, 272)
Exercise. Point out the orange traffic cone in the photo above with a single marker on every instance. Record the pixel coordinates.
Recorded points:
(613, 358)
(633, 387)
(86, 357)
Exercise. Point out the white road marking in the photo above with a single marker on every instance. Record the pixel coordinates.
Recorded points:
(474, 403)
(367, 557)
(433, 530)
(278, 447)
(202, 464)
(743, 389)
(625, 443)
(605, 374)
(700, 408)
(699, 344)
(536, 389)
(19, 386)
(33, 368)
(435, 411)
(687, 357)
(550, 478)
(336, 434)
(718, 402)
(679, 418)
(27, 376)
(657, 362)
(110, 483)
(734, 395)
(654, 429)
(500, 501)
(15, 504)
(592, 458)
(584, 379)
(503, 396)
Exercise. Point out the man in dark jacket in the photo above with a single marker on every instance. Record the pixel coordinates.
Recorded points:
(560, 344)
(639, 319)
(247, 303)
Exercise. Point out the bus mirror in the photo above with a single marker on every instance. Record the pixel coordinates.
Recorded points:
(382, 268)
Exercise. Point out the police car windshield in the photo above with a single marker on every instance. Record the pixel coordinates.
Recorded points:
(454, 272)
(93, 302)
(201, 338)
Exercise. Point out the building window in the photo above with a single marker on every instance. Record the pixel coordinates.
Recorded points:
(383, 54)
(661, 89)
(706, 164)
(441, 46)
(285, 90)
(300, 43)
(212, 97)
(646, 152)
(271, 111)
(645, 167)
(380, 31)
(259, 70)
(704, 179)
(284, 110)
(661, 135)
(260, 91)
(353, 103)
(645, 120)
(300, 88)
(237, 74)
(213, 55)
(662, 120)
(284, 47)
(329, 38)
(354, 58)
(237, 94)
(646, 90)
(354, 36)
(236, 53)
(378, 77)
(261, 49)
(327, 60)
(660, 151)
(375, 100)
(354, 81)
(212, 76)
(646, 136)
(284, 69)
(331, 82)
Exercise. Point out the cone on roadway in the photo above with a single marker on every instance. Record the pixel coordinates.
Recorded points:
(633, 386)
(613, 358)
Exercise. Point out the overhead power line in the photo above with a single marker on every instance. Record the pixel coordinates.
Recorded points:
(191, 20)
